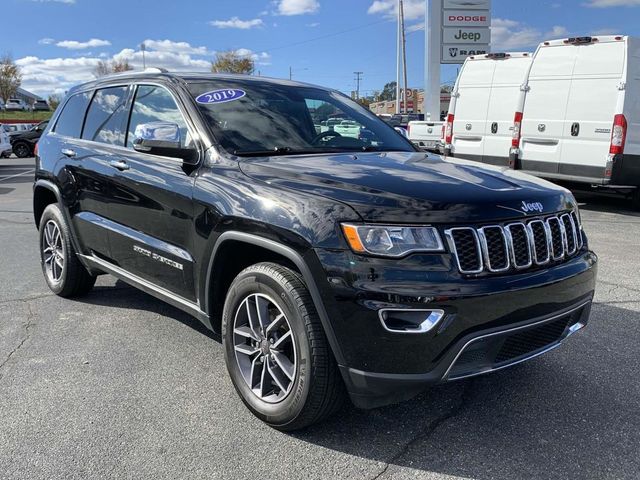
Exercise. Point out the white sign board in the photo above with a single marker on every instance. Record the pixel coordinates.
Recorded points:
(465, 29)
(477, 36)
(467, 5)
(457, 53)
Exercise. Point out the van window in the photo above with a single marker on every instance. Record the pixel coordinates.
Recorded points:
(107, 116)
(155, 104)
(70, 120)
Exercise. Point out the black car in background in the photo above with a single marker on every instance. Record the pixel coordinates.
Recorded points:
(402, 120)
(40, 106)
(23, 144)
(329, 264)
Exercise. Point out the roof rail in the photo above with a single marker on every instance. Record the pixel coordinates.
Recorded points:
(136, 72)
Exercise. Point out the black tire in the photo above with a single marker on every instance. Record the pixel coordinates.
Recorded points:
(22, 150)
(73, 279)
(316, 390)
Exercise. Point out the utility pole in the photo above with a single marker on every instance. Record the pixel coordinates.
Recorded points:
(358, 75)
(143, 47)
(290, 72)
(398, 62)
(404, 58)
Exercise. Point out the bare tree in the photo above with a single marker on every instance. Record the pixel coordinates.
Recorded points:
(53, 101)
(10, 77)
(104, 67)
(231, 62)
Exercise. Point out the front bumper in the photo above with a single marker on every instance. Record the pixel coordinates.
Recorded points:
(489, 323)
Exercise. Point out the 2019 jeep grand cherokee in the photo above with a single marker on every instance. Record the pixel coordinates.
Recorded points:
(328, 264)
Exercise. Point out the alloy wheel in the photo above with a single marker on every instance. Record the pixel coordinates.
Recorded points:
(53, 251)
(265, 349)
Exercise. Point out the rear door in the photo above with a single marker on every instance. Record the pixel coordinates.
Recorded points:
(470, 115)
(545, 108)
(593, 98)
(508, 77)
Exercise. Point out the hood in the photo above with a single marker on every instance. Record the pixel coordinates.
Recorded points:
(412, 187)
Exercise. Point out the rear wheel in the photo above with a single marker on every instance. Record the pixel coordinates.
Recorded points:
(62, 270)
(276, 351)
(22, 150)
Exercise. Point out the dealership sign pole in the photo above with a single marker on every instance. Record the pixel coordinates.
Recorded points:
(455, 30)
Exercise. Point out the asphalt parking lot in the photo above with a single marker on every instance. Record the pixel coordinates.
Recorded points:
(120, 385)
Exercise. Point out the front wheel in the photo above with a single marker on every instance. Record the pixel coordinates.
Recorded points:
(276, 350)
(22, 150)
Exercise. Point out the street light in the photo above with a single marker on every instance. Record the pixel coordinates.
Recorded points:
(297, 69)
(143, 47)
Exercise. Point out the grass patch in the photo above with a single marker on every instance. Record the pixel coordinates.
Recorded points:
(35, 117)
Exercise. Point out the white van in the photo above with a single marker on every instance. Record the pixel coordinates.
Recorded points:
(579, 113)
(481, 114)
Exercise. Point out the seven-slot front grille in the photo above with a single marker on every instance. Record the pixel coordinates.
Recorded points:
(517, 245)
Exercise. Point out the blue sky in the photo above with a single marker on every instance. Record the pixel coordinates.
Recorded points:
(58, 42)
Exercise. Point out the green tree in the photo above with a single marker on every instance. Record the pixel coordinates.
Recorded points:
(231, 62)
(10, 77)
(388, 92)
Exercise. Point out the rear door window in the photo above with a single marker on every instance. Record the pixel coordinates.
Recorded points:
(107, 116)
(69, 122)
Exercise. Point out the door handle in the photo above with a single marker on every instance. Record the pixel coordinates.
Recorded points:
(494, 127)
(575, 129)
(67, 152)
(119, 164)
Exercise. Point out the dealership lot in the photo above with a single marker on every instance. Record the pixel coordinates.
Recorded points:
(118, 384)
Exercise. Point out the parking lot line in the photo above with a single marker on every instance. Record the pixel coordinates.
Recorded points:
(16, 175)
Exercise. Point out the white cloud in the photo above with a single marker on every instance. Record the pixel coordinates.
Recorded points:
(509, 35)
(413, 9)
(57, 75)
(46, 41)
(175, 47)
(235, 22)
(260, 58)
(611, 3)
(313, 25)
(297, 7)
(75, 45)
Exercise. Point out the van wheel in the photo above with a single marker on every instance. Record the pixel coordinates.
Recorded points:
(276, 350)
(63, 272)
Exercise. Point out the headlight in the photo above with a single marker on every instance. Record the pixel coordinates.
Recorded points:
(392, 240)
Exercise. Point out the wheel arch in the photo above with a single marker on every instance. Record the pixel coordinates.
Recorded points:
(218, 279)
(44, 194)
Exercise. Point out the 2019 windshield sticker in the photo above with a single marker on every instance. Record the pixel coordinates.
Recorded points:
(222, 95)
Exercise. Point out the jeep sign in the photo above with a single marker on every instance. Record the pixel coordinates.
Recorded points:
(465, 35)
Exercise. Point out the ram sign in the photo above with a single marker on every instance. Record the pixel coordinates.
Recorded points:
(465, 29)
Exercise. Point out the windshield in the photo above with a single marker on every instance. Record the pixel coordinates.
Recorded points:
(250, 117)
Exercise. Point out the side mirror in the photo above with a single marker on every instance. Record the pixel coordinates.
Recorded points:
(163, 139)
(401, 131)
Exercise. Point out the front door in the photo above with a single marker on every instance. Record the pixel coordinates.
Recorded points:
(152, 205)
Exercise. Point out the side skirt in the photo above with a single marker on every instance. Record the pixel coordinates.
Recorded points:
(147, 287)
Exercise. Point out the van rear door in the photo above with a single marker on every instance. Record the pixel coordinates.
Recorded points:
(593, 102)
(508, 77)
(470, 114)
(545, 107)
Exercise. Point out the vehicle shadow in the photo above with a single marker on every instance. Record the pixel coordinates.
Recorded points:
(558, 416)
(124, 296)
(605, 203)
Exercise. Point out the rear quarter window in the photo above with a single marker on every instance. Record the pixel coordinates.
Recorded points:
(107, 116)
(69, 122)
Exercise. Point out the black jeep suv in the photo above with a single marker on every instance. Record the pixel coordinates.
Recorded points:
(330, 265)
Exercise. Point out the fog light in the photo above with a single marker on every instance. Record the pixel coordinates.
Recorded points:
(409, 320)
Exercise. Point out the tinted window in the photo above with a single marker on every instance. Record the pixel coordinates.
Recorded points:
(70, 120)
(251, 117)
(155, 104)
(107, 116)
